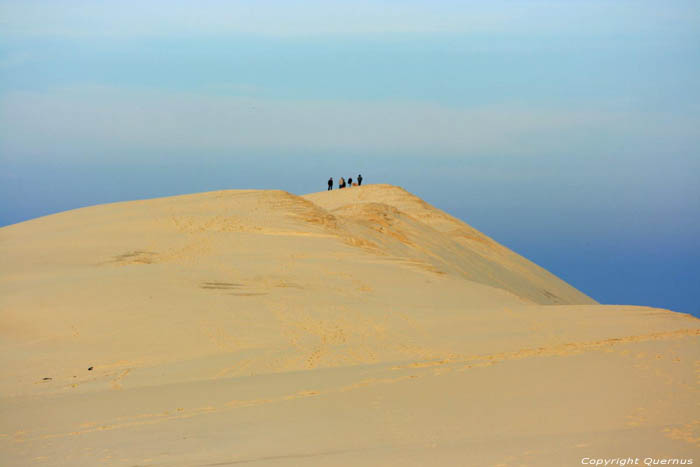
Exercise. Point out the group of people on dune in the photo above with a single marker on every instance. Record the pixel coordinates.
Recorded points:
(342, 184)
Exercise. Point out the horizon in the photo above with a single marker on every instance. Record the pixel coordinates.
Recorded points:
(565, 131)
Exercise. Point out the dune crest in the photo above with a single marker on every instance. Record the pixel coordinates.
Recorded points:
(415, 336)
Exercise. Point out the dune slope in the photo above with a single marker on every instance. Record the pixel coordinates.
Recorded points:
(358, 326)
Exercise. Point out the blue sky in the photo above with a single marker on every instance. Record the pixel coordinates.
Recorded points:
(567, 130)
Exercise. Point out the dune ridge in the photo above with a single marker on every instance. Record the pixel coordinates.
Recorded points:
(242, 312)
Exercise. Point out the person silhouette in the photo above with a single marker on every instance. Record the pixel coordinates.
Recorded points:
(330, 184)
(341, 183)
(349, 181)
(359, 180)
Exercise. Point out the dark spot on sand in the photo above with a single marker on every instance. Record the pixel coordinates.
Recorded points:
(137, 256)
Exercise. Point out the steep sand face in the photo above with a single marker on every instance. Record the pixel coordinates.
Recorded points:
(434, 237)
(358, 326)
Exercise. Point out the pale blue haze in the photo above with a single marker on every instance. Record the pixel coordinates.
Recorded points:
(567, 130)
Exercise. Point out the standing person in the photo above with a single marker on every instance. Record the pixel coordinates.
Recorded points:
(359, 180)
(330, 184)
(341, 183)
(349, 181)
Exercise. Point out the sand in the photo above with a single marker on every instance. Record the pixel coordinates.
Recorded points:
(354, 327)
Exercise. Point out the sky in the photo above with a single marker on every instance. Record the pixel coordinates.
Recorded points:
(568, 130)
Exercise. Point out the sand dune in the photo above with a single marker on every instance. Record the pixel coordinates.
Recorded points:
(354, 327)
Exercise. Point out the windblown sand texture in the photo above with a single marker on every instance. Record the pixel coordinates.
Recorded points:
(353, 327)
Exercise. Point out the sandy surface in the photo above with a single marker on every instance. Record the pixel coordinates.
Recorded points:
(353, 327)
